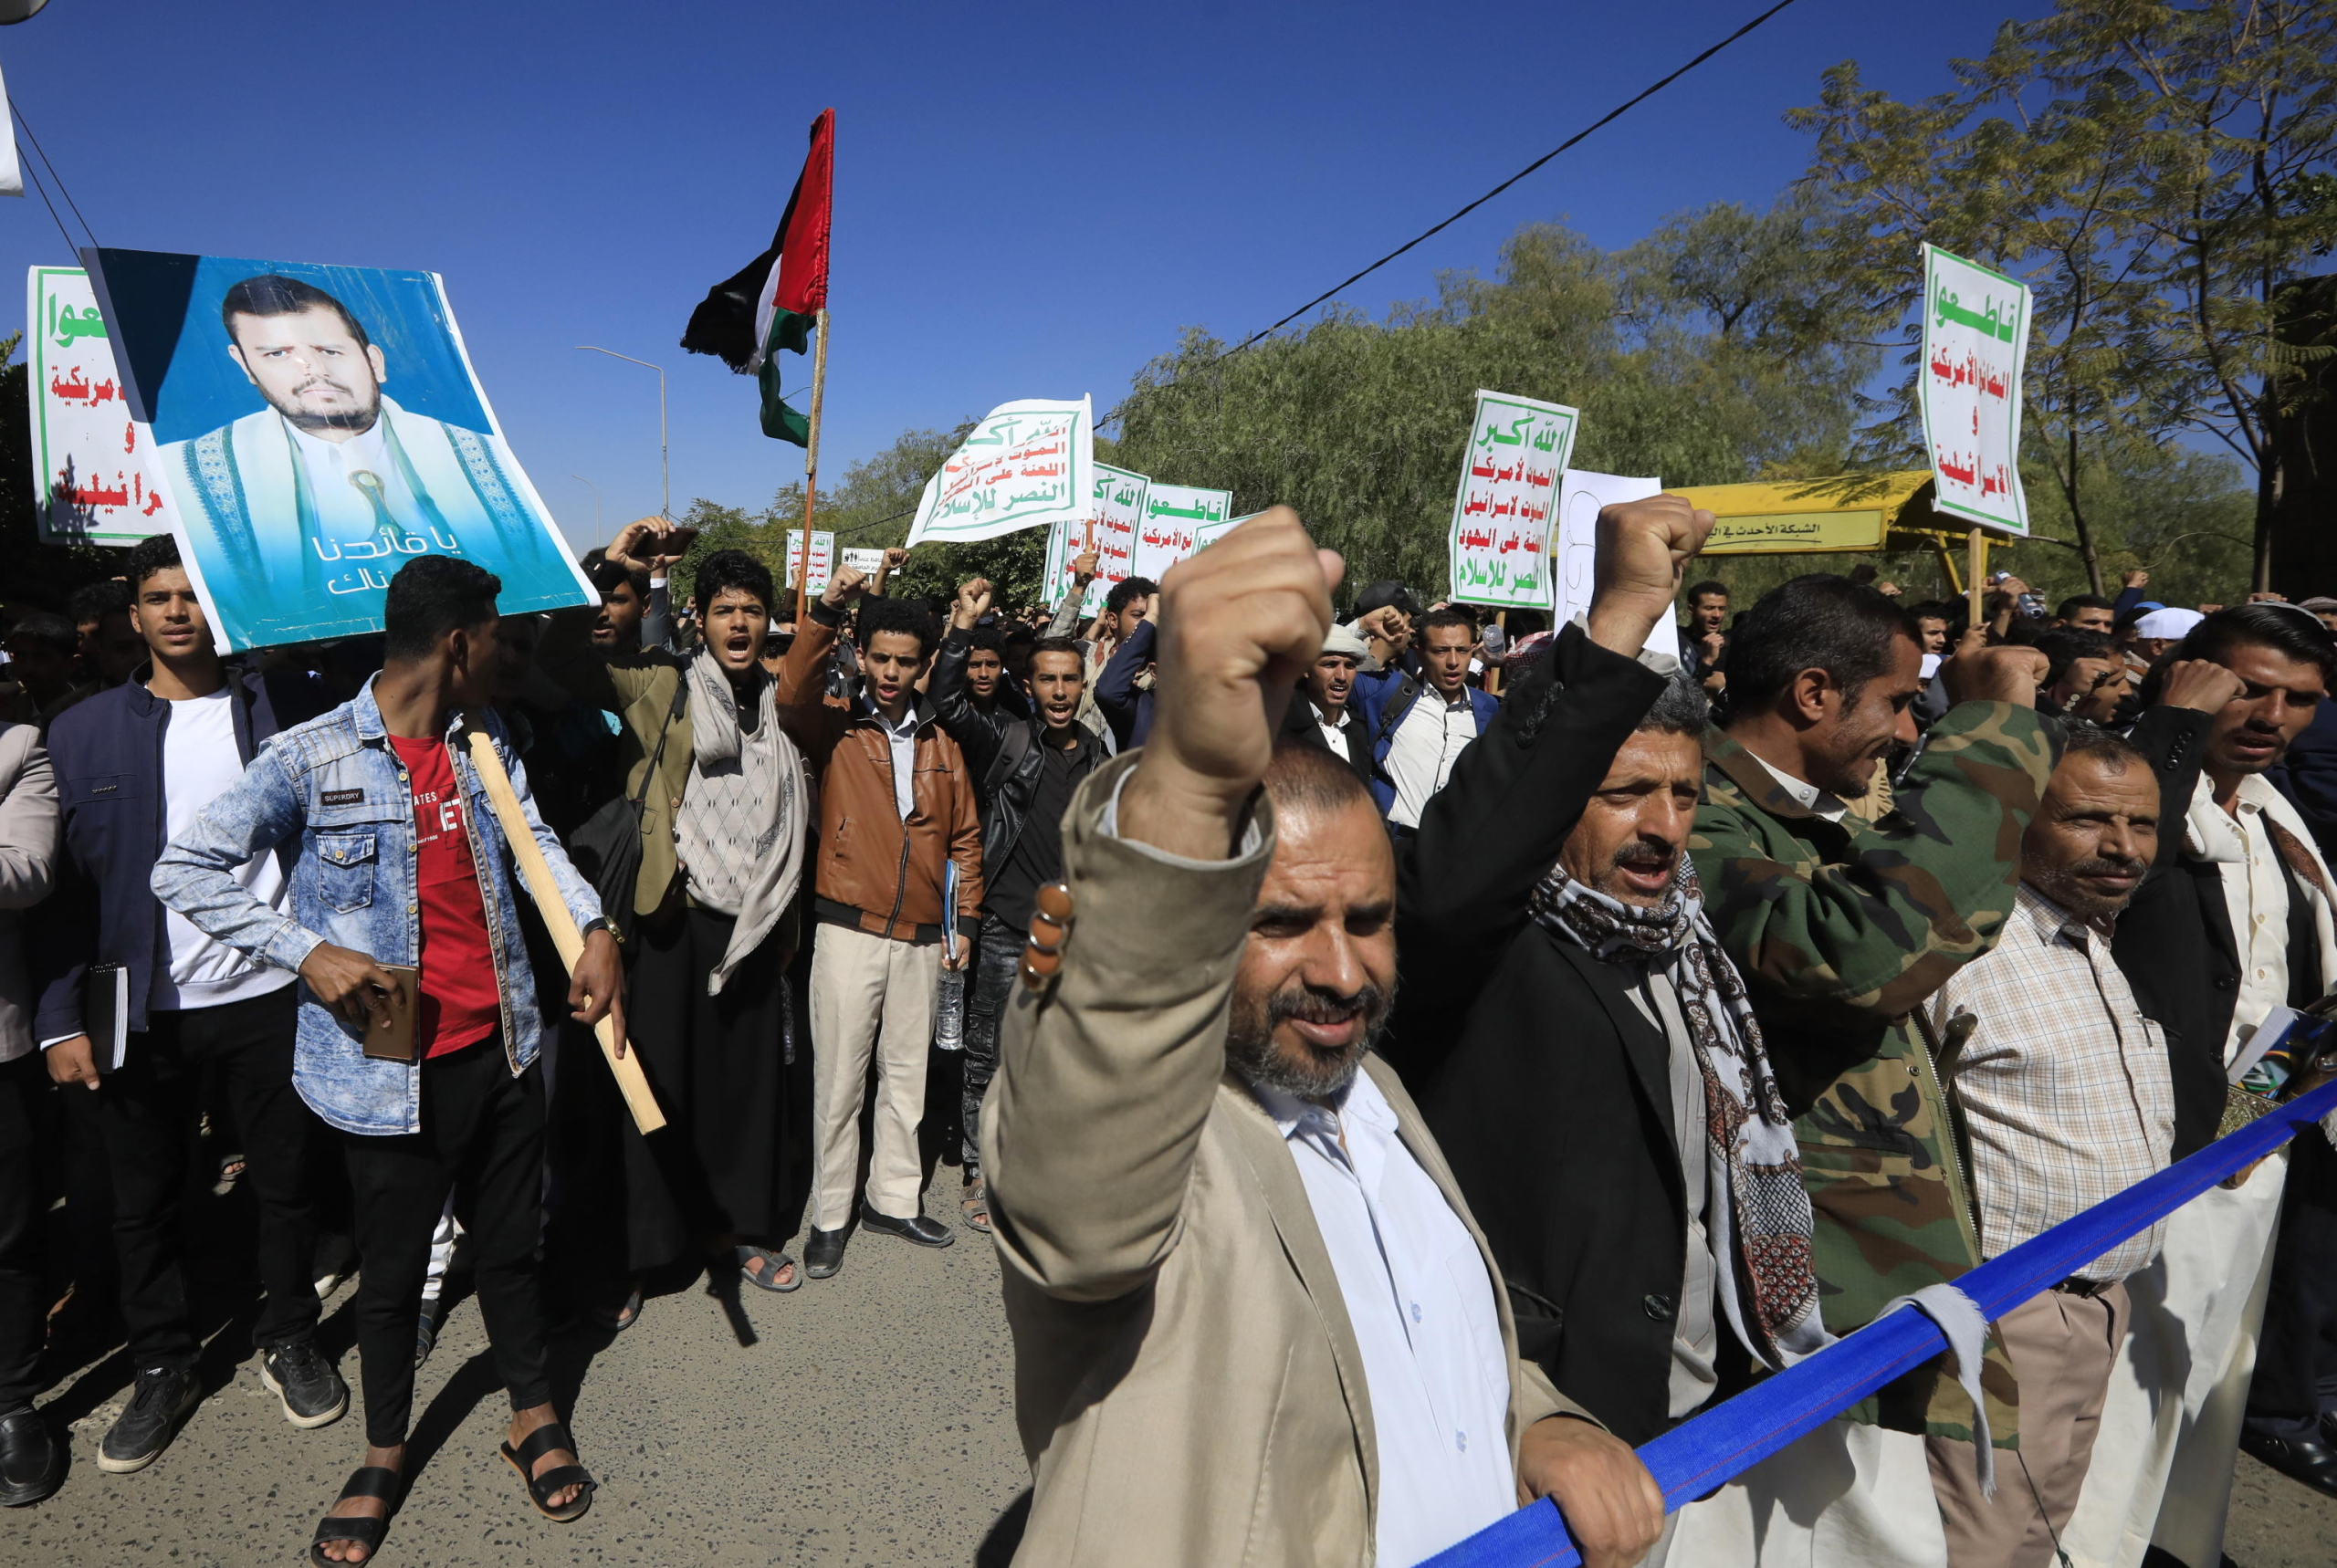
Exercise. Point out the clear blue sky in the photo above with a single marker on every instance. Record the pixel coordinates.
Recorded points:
(1029, 206)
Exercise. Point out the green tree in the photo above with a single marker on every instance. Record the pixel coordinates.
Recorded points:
(2155, 172)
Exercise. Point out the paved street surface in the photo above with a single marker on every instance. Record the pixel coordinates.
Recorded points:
(868, 1421)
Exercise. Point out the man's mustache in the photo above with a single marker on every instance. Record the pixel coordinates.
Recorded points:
(1314, 1004)
(2110, 865)
(1646, 851)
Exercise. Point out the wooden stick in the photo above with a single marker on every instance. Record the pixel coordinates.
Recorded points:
(811, 464)
(1975, 545)
(631, 1080)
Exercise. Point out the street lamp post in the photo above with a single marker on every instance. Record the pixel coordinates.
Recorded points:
(665, 474)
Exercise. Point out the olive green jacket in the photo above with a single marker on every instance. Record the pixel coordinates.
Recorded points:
(1841, 931)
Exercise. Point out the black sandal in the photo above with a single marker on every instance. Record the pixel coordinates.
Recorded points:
(368, 1480)
(535, 1446)
(760, 1267)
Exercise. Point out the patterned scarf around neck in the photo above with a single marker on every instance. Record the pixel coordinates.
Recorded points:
(1749, 1139)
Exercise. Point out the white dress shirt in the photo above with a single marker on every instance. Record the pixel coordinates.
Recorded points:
(1421, 1304)
(2256, 895)
(1821, 803)
(345, 516)
(903, 740)
(1333, 736)
(1420, 754)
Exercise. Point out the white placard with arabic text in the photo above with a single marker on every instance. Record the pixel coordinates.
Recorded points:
(823, 559)
(1975, 342)
(1509, 491)
(1118, 496)
(1573, 549)
(1174, 519)
(88, 463)
(1026, 464)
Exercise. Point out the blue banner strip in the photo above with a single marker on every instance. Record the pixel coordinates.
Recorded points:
(1700, 1454)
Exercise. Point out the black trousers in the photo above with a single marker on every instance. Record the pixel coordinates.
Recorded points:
(144, 1115)
(2296, 1353)
(22, 1083)
(998, 955)
(482, 1139)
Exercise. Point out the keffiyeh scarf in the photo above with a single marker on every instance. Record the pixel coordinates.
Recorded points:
(1749, 1140)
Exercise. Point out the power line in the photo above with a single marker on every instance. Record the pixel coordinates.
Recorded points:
(54, 175)
(1617, 112)
(1609, 117)
(71, 250)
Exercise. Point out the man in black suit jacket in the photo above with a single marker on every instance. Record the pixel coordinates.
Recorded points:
(1545, 918)
(1322, 707)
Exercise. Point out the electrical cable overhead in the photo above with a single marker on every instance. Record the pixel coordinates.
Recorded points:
(55, 177)
(33, 175)
(1609, 117)
(1612, 115)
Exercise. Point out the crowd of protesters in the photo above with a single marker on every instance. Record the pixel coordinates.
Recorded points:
(1401, 1060)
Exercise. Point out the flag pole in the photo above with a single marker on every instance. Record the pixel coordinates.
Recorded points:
(812, 463)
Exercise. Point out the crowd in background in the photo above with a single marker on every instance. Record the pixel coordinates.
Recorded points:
(1742, 993)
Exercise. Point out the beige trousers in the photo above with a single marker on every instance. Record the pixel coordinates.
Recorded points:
(869, 996)
(2063, 1348)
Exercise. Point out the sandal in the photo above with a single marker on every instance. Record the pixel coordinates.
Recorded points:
(369, 1481)
(975, 1205)
(759, 1266)
(618, 1318)
(535, 1446)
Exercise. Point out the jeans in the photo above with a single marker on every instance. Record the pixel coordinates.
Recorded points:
(23, 1325)
(998, 955)
(482, 1139)
(144, 1114)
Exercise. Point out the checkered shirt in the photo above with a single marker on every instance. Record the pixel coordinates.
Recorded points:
(2064, 1084)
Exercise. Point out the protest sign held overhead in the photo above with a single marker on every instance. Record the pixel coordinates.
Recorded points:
(91, 479)
(1509, 492)
(1109, 529)
(298, 484)
(1026, 464)
(1976, 341)
(1174, 519)
(1573, 546)
(823, 559)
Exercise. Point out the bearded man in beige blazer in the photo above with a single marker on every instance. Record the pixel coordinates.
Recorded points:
(1253, 1321)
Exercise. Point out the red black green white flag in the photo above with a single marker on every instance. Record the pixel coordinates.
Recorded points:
(769, 304)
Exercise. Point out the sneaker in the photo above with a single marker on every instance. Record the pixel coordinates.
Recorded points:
(309, 1386)
(164, 1398)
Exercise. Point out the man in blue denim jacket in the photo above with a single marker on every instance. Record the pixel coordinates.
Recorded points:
(402, 862)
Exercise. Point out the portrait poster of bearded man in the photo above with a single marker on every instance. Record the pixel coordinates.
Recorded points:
(264, 391)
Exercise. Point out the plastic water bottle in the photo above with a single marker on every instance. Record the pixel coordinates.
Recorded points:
(950, 1011)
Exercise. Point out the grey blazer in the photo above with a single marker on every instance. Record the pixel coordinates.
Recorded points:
(1188, 1384)
(28, 838)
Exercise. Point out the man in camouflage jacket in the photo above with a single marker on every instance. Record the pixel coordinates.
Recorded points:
(1843, 926)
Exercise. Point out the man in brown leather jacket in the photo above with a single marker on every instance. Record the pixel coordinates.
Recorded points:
(896, 812)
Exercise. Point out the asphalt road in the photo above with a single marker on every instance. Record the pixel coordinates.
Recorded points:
(866, 1419)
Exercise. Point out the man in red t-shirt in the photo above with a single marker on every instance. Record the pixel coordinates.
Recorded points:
(466, 1118)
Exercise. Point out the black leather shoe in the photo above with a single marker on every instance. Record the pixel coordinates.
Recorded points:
(823, 1253)
(160, 1401)
(31, 1461)
(309, 1386)
(920, 1230)
(2314, 1464)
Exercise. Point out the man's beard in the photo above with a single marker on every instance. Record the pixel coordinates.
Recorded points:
(357, 420)
(2063, 888)
(1312, 1074)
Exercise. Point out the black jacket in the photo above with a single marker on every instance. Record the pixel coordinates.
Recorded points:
(1003, 749)
(2174, 942)
(1544, 1085)
(107, 752)
(1299, 727)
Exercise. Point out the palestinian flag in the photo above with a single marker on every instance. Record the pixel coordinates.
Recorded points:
(768, 305)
